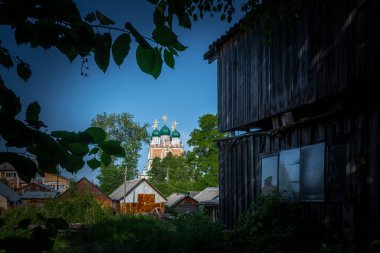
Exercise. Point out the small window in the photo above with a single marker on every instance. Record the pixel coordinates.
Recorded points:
(51, 186)
(10, 175)
(61, 187)
(300, 173)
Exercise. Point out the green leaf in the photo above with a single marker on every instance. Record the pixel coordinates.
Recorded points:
(138, 37)
(184, 21)
(149, 60)
(94, 151)
(71, 163)
(5, 58)
(106, 159)
(33, 111)
(178, 46)
(103, 19)
(120, 48)
(58, 223)
(112, 148)
(157, 63)
(67, 11)
(23, 71)
(66, 46)
(164, 36)
(25, 167)
(173, 51)
(153, 1)
(96, 133)
(85, 38)
(24, 223)
(158, 16)
(102, 50)
(146, 59)
(78, 149)
(93, 163)
(169, 59)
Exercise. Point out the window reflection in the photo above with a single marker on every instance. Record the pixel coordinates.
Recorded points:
(269, 174)
(312, 173)
(289, 174)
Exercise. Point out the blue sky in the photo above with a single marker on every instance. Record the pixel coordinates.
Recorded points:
(69, 101)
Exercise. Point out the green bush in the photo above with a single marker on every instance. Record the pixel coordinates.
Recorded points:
(130, 233)
(274, 226)
(73, 207)
(77, 208)
(13, 216)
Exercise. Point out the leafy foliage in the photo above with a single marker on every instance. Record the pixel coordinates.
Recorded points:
(146, 234)
(204, 156)
(123, 140)
(274, 226)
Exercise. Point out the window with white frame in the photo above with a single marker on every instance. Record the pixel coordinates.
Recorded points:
(61, 187)
(297, 173)
(10, 175)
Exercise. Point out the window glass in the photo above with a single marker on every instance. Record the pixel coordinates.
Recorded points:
(269, 180)
(312, 173)
(10, 174)
(289, 171)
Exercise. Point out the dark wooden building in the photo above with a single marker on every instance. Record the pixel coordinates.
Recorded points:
(182, 203)
(304, 116)
(85, 186)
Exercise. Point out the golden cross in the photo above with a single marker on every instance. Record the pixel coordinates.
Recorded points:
(165, 118)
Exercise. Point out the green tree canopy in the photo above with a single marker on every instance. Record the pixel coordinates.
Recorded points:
(204, 156)
(171, 168)
(131, 136)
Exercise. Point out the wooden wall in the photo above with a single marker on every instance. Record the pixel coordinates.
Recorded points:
(352, 171)
(334, 46)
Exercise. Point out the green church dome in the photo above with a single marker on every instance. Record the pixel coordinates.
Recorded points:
(165, 130)
(175, 134)
(155, 133)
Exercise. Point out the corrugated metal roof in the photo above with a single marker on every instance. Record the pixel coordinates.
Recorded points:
(118, 194)
(213, 202)
(38, 195)
(175, 199)
(7, 167)
(129, 185)
(8, 193)
(209, 193)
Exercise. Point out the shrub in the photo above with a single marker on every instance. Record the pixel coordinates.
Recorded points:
(273, 226)
(77, 207)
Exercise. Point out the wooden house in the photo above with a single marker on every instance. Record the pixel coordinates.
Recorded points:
(9, 175)
(34, 187)
(37, 197)
(8, 198)
(304, 117)
(182, 203)
(56, 182)
(208, 200)
(86, 186)
(137, 196)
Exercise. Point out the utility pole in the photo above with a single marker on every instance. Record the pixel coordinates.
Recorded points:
(125, 181)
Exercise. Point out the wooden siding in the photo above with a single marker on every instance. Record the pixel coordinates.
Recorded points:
(334, 47)
(352, 175)
(84, 186)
